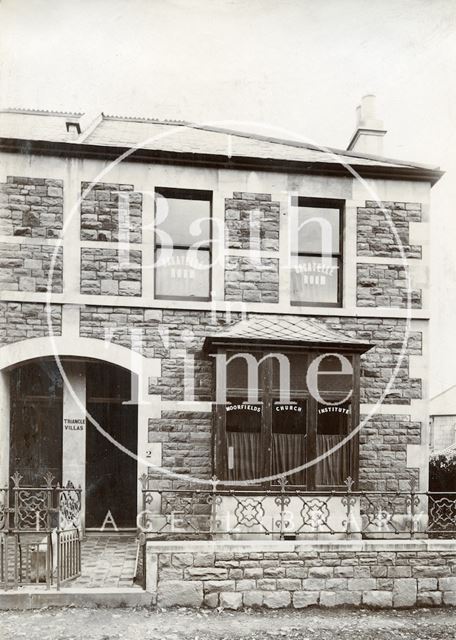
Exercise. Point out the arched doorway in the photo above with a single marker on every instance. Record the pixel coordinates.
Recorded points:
(49, 432)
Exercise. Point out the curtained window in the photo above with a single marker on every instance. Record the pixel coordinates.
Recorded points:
(243, 430)
(183, 244)
(289, 424)
(333, 425)
(267, 434)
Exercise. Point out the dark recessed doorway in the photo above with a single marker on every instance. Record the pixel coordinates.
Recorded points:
(111, 482)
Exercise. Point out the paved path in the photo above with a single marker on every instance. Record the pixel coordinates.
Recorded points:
(107, 561)
(130, 624)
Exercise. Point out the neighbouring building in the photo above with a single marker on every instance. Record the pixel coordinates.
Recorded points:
(443, 421)
(105, 264)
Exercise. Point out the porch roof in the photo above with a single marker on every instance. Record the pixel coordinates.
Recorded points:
(284, 331)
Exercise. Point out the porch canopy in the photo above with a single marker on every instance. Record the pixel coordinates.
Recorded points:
(271, 437)
(280, 331)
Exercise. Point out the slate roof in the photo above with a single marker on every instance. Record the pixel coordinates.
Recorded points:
(179, 137)
(283, 330)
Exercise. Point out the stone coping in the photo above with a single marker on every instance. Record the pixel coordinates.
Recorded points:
(287, 546)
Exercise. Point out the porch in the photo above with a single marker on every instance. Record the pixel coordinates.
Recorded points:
(43, 545)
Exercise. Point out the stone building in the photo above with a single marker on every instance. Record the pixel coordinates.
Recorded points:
(134, 251)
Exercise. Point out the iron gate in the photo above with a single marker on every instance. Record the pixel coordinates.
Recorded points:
(40, 539)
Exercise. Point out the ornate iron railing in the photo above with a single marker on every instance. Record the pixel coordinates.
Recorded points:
(44, 508)
(281, 512)
(39, 533)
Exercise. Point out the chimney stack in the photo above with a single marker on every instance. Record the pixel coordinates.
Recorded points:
(368, 137)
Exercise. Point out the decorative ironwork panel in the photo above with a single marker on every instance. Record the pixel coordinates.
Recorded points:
(249, 512)
(314, 515)
(32, 509)
(442, 514)
(384, 513)
(69, 507)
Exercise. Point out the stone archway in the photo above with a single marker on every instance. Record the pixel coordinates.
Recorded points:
(81, 348)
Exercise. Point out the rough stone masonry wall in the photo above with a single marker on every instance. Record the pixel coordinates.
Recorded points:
(251, 280)
(252, 222)
(383, 453)
(388, 335)
(185, 437)
(375, 235)
(245, 211)
(109, 210)
(27, 267)
(385, 285)
(111, 272)
(186, 441)
(284, 574)
(31, 207)
(25, 320)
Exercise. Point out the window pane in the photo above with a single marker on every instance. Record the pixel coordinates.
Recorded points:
(298, 371)
(289, 440)
(331, 378)
(243, 434)
(289, 418)
(237, 371)
(314, 280)
(242, 416)
(333, 419)
(185, 222)
(317, 231)
(182, 273)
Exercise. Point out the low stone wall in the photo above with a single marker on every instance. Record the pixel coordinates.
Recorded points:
(283, 574)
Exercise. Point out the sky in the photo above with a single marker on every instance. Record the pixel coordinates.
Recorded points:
(299, 65)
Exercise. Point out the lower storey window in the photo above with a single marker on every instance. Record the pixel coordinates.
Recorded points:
(306, 440)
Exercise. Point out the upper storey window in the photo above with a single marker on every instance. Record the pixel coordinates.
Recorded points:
(183, 244)
(316, 252)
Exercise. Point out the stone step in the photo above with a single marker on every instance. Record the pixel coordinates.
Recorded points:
(109, 598)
